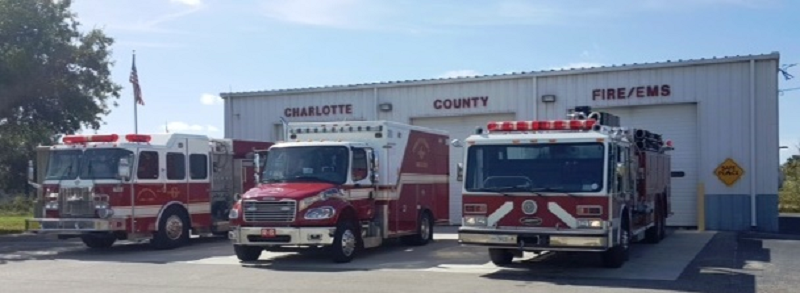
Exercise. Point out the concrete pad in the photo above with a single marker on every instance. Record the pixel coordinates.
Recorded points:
(663, 261)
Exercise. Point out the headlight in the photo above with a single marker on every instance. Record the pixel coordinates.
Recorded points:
(101, 205)
(51, 205)
(474, 221)
(320, 213)
(233, 213)
(591, 223)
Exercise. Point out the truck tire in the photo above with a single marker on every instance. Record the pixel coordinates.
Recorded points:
(98, 241)
(501, 257)
(247, 253)
(424, 230)
(173, 229)
(616, 256)
(345, 242)
(656, 233)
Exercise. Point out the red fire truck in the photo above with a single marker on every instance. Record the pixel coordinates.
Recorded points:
(581, 184)
(161, 187)
(344, 186)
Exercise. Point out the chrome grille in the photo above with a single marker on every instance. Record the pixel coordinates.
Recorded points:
(76, 202)
(269, 211)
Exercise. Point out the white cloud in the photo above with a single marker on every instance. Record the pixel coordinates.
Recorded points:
(210, 99)
(332, 13)
(193, 3)
(183, 127)
(459, 73)
(576, 65)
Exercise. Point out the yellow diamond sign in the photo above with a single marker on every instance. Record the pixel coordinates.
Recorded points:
(729, 172)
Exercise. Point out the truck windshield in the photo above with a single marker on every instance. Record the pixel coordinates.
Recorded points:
(562, 167)
(85, 164)
(307, 163)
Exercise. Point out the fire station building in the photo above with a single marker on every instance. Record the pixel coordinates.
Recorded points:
(721, 115)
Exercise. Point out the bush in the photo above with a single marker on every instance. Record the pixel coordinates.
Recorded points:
(789, 202)
(17, 206)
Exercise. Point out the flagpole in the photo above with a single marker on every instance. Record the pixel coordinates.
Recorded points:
(135, 106)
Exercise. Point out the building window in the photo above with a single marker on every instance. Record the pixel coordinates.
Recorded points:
(198, 166)
(176, 166)
(148, 165)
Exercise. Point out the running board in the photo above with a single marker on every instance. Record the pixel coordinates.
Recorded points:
(638, 234)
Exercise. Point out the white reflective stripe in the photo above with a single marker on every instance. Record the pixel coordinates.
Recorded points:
(501, 212)
(411, 178)
(563, 215)
(359, 194)
(151, 211)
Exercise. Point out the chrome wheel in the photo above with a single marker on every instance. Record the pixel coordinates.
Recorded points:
(348, 242)
(174, 227)
(425, 228)
(624, 239)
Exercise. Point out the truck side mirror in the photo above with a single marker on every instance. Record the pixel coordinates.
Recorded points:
(373, 164)
(30, 170)
(257, 167)
(460, 172)
(124, 168)
(621, 169)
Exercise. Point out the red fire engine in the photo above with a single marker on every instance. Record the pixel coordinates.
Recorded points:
(581, 184)
(162, 187)
(344, 186)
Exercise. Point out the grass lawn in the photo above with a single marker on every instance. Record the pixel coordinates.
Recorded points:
(12, 224)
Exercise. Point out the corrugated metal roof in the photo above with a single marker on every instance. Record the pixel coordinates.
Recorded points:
(513, 75)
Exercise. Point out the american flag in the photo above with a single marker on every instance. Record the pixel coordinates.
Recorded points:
(134, 79)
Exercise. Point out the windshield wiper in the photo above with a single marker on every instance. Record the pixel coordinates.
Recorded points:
(552, 189)
(500, 189)
(311, 178)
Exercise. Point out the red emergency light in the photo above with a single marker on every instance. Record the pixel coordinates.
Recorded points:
(541, 125)
(81, 139)
(138, 137)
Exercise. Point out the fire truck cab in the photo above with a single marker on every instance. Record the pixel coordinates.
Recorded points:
(157, 187)
(344, 186)
(583, 184)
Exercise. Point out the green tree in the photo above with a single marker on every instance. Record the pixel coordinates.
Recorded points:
(790, 191)
(53, 79)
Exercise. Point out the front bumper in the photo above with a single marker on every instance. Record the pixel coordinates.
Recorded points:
(535, 240)
(304, 236)
(73, 226)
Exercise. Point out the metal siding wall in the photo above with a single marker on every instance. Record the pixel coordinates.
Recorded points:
(720, 90)
(767, 146)
(417, 101)
(258, 115)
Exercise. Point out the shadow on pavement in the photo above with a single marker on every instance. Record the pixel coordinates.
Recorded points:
(32, 247)
(392, 255)
(721, 266)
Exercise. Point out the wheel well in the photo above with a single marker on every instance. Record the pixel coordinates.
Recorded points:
(178, 207)
(348, 214)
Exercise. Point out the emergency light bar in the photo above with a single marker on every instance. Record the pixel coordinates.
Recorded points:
(541, 125)
(335, 128)
(81, 139)
(138, 138)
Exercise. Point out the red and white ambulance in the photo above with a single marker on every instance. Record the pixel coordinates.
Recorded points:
(581, 184)
(345, 186)
(161, 187)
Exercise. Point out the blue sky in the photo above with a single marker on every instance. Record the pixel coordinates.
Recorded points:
(188, 51)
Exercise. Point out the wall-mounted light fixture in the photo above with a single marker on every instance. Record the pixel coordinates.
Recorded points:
(548, 98)
(385, 107)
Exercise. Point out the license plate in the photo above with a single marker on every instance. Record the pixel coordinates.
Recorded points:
(502, 238)
(267, 232)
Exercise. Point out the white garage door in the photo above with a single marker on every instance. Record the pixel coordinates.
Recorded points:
(458, 127)
(679, 124)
